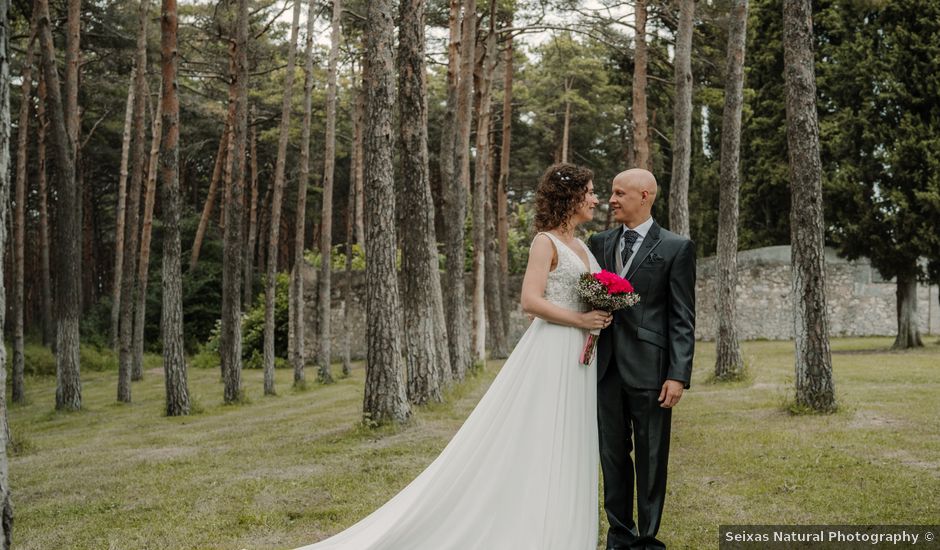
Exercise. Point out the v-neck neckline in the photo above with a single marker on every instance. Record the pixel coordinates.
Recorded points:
(587, 265)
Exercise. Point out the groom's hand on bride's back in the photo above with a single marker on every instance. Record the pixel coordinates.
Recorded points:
(670, 394)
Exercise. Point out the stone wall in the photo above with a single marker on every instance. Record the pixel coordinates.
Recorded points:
(861, 303)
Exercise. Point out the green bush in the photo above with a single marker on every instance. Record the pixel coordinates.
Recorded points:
(95, 324)
(253, 331)
(205, 359)
(338, 258)
(38, 360)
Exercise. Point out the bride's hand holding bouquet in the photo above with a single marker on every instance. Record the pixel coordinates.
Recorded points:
(605, 291)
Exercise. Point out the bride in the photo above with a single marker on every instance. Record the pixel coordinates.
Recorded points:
(521, 473)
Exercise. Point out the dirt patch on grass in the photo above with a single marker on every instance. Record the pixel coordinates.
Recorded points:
(872, 420)
(911, 461)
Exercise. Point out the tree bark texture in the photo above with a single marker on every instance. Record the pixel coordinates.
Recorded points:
(641, 144)
(347, 284)
(453, 268)
(146, 230)
(425, 334)
(502, 193)
(6, 507)
(275, 220)
(565, 128)
(728, 363)
(122, 211)
(73, 32)
(230, 342)
(221, 160)
(358, 165)
(682, 119)
(48, 321)
(457, 187)
(19, 215)
(171, 319)
(353, 214)
(814, 385)
(68, 225)
(908, 331)
(298, 355)
(482, 78)
(248, 285)
(324, 300)
(494, 300)
(132, 219)
(385, 396)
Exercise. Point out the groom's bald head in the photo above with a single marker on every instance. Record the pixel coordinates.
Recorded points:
(632, 194)
(639, 179)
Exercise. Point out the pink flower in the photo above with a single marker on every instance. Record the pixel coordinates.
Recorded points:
(615, 283)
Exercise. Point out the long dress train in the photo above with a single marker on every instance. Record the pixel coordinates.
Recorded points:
(521, 473)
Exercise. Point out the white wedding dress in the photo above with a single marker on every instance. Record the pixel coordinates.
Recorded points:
(521, 473)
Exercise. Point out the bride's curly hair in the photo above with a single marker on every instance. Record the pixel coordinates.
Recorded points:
(561, 190)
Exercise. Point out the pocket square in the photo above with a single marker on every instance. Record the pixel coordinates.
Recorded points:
(656, 258)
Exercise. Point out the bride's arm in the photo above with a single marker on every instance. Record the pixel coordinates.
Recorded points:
(541, 256)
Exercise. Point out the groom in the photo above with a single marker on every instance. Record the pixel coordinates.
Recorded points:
(644, 359)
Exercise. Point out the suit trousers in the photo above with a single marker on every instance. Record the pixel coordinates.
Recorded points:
(631, 419)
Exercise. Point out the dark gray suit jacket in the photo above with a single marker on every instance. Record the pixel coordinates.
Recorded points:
(654, 340)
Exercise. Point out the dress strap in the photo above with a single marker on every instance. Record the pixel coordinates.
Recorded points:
(556, 243)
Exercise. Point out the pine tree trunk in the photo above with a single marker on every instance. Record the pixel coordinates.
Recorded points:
(908, 329)
(226, 168)
(89, 273)
(298, 354)
(385, 397)
(814, 386)
(453, 269)
(275, 220)
(482, 78)
(6, 507)
(494, 301)
(502, 193)
(48, 322)
(122, 212)
(728, 364)
(221, 160)
(457, 188)
(131, 235)
(19, 217)
(250, 249)
(73, 31)
(682, 119)
(352, 215)
(171, 322)
(347, 284)
(326, 233)
(143, 267)
(425, 334)
(565, 130)
(641, 145)
(230, 342)
(69, 253)
(358, 167)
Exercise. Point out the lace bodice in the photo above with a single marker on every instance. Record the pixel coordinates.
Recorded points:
(562, 286)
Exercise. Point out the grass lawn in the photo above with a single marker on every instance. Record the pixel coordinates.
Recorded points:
(277, 472)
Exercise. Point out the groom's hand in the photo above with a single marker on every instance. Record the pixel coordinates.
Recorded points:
(670, 394)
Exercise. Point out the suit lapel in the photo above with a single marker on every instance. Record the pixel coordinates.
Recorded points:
(610, 248)
(651, 241)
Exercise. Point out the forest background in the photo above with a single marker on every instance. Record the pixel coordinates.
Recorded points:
(160, 198)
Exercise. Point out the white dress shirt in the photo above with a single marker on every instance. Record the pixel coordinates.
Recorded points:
(642, 230)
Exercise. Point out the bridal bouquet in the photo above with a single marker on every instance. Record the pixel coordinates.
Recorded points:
(608, 292)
